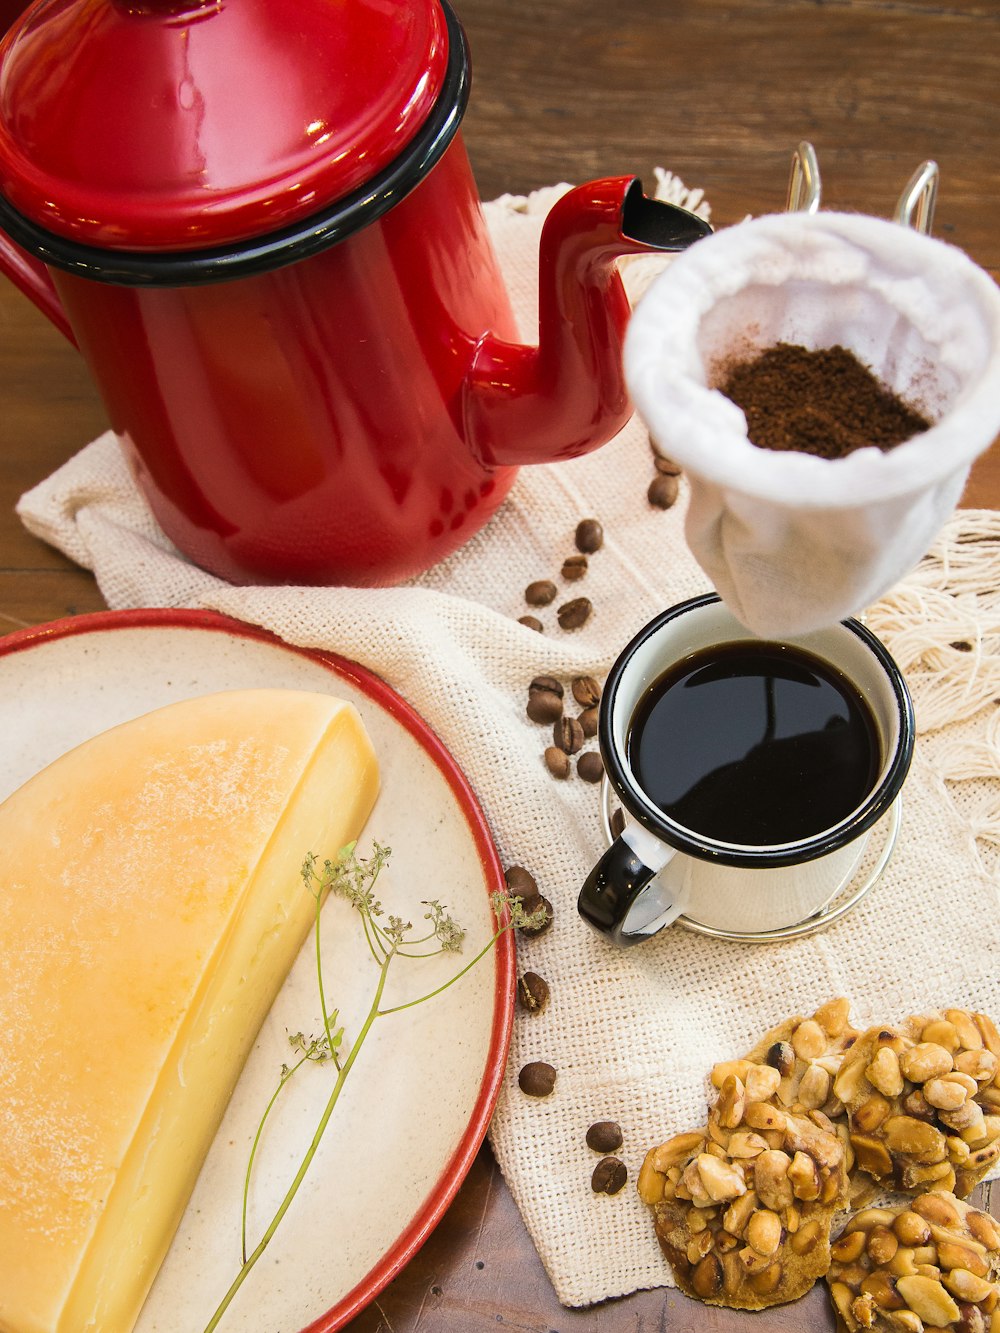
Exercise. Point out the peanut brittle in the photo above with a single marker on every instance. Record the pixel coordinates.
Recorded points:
(805, 1055)
(923, 1101)
(928, 1265)
(743, 1207)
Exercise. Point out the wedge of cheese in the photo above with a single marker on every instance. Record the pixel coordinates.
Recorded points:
(151, 905)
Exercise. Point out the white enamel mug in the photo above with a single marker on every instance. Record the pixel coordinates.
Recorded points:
(658, 869)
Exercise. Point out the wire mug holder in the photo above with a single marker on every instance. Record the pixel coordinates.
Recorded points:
(837, 907)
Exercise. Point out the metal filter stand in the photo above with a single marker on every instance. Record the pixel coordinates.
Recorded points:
(915, 207)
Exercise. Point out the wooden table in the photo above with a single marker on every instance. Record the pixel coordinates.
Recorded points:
(720, 93)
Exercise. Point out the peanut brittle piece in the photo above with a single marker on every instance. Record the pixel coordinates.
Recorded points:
(805, 1055)
(743, 1208)
(923, 1101)
(930, 1264)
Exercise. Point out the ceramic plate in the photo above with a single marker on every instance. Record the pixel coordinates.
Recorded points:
(417, 1103)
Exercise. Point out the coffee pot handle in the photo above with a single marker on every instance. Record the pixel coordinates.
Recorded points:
(30, 276)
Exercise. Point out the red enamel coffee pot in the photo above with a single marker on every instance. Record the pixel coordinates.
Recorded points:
(257, 221)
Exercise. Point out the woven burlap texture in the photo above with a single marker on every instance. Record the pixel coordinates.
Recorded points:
(631, 1034)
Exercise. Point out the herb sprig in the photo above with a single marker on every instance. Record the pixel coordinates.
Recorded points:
(388, 937)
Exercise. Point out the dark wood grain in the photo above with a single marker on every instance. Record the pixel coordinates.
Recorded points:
(720, 93)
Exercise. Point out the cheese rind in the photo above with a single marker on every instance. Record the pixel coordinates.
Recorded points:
(151, 906)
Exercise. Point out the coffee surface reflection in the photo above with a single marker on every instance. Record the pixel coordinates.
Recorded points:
(754, 743)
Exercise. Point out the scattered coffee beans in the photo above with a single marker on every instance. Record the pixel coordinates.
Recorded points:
(533, 992)
(574, 567)
(617, 822)
(568, 735)
(588, 720)
(586, 691)
(662, 492)
(532, 622)
(537, 1080)
(589, 536)
(540, 593)
(610, 1175)
(545, 699)
(574, 614)
(605, 1136)
(590, 766)
(557, 762)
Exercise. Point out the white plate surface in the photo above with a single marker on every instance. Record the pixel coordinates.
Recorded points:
(417, 1103)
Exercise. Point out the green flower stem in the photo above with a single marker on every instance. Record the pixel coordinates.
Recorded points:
(253, 1151)
(396, 1008)
(322, 996)
(310, 1153)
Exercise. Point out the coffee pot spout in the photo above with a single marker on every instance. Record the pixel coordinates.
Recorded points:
(567, 395)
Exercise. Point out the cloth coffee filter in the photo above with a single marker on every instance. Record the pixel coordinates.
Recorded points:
(631, 1033)
(793, 541)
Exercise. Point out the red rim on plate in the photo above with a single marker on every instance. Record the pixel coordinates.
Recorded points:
(405, 1246)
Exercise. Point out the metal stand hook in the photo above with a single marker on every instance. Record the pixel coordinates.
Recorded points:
(916, 204)
(804, 183)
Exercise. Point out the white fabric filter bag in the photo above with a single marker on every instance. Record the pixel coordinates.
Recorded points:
(793, 541)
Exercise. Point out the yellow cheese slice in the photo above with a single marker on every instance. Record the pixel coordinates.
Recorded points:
(151, 905)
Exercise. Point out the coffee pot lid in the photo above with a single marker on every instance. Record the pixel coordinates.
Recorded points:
(166, 125)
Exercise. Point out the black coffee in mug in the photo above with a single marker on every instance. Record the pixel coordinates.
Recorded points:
(754, 743)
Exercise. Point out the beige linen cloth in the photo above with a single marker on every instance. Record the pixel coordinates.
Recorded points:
(630, 1034)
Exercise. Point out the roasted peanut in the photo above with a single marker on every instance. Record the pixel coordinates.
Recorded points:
(833, 1016)
(911, 1228)
(809, 1040)
(720, 1180)
(928, 1299)
(925, 1060)
(884, 1073)
(770, 1177)
(916, 1138)
(814, 1087)
(732, 1102)
(678, 1149)
(761, 1083)
(804, 1176)
(764, 1231)
(871, 1113)
(945, 1093)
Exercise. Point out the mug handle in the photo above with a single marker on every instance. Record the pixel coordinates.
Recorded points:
(621, 897)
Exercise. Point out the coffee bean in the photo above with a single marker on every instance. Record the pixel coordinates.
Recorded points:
(520, 882)
(568, 735)
(540, 593)
(532, 622)
(610, 1175)
(588, 720)
(557, 762)
(550, 683)
(666, 466)
(662, 491)
(533, 992)
(537, 1080)
(571, 615)
(531, 905)
(545, 699)
(574, 567)
(543, 706)
(586, 691)
(589, 536)
(590, 766)
(617, 822)
(605, 1136)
